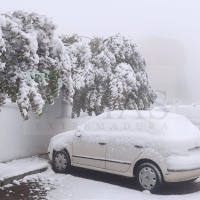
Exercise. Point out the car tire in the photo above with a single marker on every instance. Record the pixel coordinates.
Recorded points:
(61, 162)
(149, 177)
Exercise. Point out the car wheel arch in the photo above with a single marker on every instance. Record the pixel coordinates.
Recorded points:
(65, 150)
(144, 160)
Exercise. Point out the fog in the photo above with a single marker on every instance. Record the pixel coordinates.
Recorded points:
(168, 32)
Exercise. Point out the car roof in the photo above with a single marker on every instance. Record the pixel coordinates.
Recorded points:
(138, 114)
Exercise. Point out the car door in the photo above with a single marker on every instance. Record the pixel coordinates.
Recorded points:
(120, 157)
(88, 153)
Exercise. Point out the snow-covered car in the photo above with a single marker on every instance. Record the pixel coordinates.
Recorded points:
(150, 146)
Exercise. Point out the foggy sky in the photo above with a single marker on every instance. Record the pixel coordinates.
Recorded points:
(168, 32)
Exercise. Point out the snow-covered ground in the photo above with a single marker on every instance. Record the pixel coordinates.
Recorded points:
(71, 187)
(21, 166)
(66, 186)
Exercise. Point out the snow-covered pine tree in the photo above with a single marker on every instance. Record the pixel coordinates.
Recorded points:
(3, 96)
(95, 43)
(82, 72)
(121, 72)
(35, 65)
(108, 73)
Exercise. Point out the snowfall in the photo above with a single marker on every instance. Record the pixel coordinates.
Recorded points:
(67, 186)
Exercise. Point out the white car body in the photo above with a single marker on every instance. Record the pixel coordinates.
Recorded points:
(119, 146)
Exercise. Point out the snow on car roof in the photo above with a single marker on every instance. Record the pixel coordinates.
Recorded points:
(150, 121)
(191, 112)
(151, 129)
(141, 125)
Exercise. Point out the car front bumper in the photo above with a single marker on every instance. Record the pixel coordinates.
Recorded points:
(181, 175)
(182, 168)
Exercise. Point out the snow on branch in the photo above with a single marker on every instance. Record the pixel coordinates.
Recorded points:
(33, 63)
(108, 73)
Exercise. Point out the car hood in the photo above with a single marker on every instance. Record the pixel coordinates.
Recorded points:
(62, 140)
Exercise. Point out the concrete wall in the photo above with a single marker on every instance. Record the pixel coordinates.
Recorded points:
(20, 138)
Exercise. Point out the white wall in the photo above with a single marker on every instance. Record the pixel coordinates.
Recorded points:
(20, 138)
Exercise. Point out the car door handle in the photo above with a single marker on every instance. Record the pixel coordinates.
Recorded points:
(102, 143)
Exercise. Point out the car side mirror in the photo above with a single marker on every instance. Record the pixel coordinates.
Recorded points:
(78, 131)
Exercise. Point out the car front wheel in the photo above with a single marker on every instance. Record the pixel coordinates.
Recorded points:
(61, 162)
(149, 177)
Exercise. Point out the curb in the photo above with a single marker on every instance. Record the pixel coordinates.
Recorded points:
(9, 180)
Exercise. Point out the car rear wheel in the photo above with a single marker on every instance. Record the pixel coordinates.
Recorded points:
(61, 162)
(149, 177)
